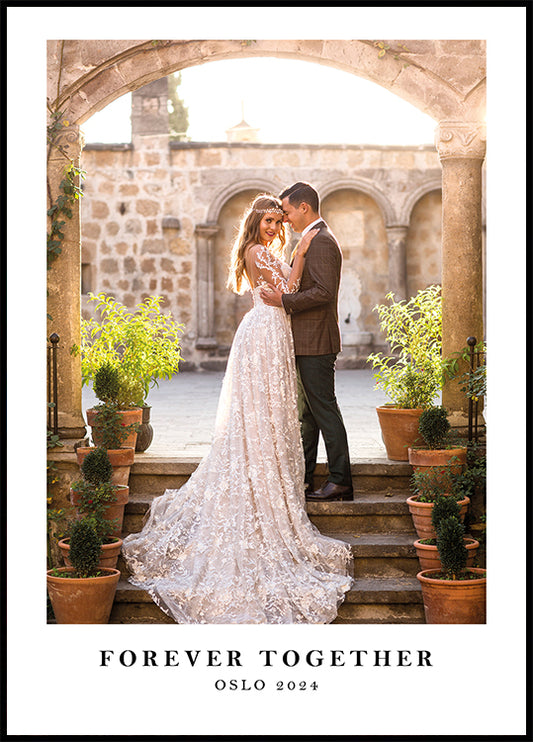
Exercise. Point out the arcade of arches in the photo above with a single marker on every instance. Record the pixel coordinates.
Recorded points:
(157, 217)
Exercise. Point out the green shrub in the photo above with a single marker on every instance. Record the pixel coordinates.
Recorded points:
(107, 383)
(85, 548)
(451, 546)
(96, 467)
(434, 427)
(115, 388)
(444, 507)
(429, 485)
(413, 374)
(112, 431)
(145, 344)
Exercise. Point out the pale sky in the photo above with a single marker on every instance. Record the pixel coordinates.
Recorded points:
(278, 97)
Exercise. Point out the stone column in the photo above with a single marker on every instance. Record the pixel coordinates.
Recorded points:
(205, 271)
(64, 290)
(461, 148)
(397, 239)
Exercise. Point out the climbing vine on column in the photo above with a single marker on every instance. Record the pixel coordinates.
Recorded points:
(69, 190)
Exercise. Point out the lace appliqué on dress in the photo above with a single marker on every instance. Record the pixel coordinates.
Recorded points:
(274, 271)
(234, 544)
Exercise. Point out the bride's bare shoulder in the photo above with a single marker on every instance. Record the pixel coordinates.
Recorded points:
(254, 248)
(253, 252)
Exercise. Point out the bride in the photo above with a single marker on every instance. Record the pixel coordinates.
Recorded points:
(234, 544)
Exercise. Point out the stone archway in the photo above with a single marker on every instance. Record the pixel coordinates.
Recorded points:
(212, 245)
(424, 235)
(358, 220)
(445, 79)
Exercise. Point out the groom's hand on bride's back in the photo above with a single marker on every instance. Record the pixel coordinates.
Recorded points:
(271, 295)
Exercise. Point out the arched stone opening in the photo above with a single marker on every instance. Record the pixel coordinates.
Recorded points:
(229, 307)
(423, 244)
(219, 310)
(85, 76)
(358, 223)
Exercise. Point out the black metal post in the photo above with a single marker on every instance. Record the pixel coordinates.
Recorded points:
(54, 339)
(471, 342)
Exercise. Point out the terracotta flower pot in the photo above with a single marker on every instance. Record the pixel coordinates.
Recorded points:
(82, 600)
(454, 601)
(128, 418)
(428, 554)
(399, 429)
(108, 556)
(425, 457)
(421, 514)
(145, 434)
(121, 460)
(442, 461)
(113, 510)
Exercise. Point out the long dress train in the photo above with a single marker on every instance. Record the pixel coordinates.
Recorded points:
(234, 544)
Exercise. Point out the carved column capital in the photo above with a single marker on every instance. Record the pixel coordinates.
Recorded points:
(461, 139)
(206, 231)
(68, 141)
(397, 232)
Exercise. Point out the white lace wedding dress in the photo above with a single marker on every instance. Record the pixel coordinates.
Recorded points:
(234, 544)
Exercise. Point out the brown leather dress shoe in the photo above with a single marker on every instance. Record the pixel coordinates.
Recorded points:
(331, 491)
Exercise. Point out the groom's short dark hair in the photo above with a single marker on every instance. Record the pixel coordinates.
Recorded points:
(301, 192)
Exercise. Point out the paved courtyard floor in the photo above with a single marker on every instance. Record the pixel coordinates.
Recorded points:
(184, 409)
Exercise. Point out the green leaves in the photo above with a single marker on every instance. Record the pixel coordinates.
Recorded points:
(412, 375)
(143, 344)
(69, 191)
(434, 426)
(451, 547)
(85, 546)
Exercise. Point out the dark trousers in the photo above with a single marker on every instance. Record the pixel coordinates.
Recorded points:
(319, 413)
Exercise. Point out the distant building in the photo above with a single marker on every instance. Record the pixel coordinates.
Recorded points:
(242, 132)
(159, 217)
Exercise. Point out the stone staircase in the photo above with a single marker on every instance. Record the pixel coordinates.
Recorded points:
(377, 525)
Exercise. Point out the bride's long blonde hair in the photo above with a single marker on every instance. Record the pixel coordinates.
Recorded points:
(249, 235)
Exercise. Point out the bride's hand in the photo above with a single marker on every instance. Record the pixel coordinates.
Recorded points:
(303, 245)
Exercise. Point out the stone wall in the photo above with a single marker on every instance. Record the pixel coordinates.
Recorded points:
(144, 203)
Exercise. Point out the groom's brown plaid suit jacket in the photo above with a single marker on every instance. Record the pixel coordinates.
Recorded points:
(313, 309)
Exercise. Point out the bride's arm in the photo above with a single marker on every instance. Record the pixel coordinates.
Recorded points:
(270, 270)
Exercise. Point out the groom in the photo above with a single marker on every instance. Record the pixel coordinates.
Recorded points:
(315, 328)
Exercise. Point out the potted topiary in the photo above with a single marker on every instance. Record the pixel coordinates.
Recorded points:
(426, 549)
(440, 449)
(115, 421)
(108, 427)
(412, 376)
(84, 592)
(454, 593)
(145, 344)
(95, 495)
(110, 548)
(428, 487)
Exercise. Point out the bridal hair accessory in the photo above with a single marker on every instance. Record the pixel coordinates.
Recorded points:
(274, 210)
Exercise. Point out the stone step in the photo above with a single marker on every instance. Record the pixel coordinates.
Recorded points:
(381, 600)
(155, 474)
(378, 512)
(383, 555)
(371, 600)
